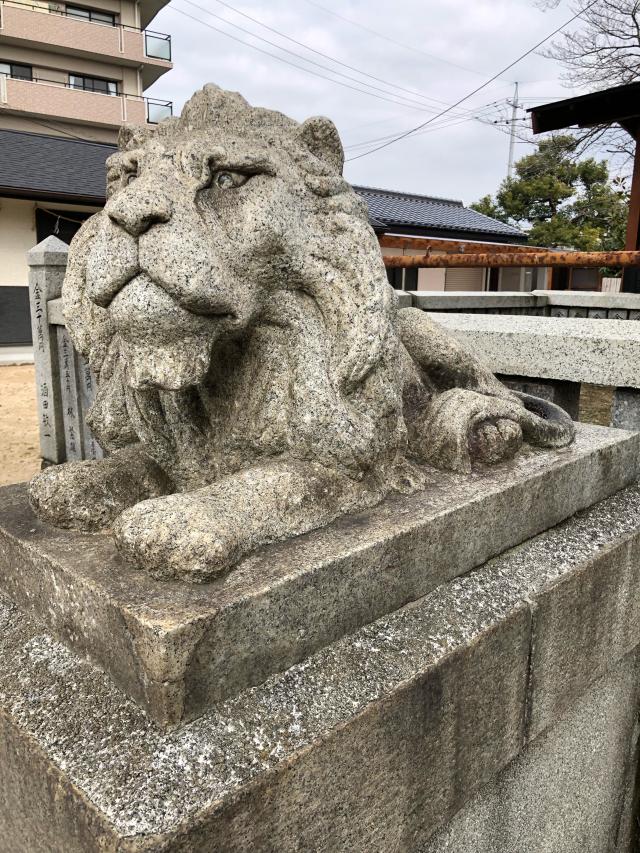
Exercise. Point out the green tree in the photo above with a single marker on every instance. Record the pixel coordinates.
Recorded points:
(562, 201)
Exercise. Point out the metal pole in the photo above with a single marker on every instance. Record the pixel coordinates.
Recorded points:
(512, 135)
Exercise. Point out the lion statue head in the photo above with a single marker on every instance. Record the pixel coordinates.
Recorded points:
(226, 220)
(255, 378)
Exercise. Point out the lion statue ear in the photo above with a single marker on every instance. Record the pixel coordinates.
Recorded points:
(320, 136)
(134, 136)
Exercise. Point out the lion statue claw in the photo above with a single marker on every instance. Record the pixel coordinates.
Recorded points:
(255, 377)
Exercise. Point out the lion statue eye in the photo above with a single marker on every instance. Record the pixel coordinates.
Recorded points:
(229, 180)
(130, 177)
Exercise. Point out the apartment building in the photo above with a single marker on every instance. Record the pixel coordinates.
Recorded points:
(71, 74)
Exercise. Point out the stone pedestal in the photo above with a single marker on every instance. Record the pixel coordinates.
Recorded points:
(363, 734)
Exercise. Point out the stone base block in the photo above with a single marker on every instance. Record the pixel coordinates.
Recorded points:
(176, 648)
(571, 791)
(625, 412)
(371, 745)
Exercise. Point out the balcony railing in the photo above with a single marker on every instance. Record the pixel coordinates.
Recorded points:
(63, 101)
(156, 45)
(158, 110)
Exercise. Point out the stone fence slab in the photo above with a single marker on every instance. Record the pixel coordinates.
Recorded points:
(548, 303)
(569, 349)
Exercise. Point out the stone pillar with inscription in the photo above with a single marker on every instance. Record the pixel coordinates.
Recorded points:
(47, 264)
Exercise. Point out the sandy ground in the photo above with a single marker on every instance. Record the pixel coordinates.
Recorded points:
(19, 442)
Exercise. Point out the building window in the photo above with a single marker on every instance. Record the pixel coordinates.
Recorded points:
(12, 69)
(91, 15)
(93, 84)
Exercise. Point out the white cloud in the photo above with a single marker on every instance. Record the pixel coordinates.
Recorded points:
(464, 160)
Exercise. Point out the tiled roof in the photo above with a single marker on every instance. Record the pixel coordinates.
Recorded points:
(56, 166)
(440, 214)
(52, 166)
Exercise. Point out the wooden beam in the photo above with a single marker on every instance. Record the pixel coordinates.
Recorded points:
(535, 259)
(633, 222)
(445, 244)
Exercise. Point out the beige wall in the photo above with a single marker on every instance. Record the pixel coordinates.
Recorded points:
(57, 102)
(55, 46)
(428, 279)
(431, 279)
(17, 236)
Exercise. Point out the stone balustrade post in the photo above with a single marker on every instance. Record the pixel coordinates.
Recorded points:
(47, 265)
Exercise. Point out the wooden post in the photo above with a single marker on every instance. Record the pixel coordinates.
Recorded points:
(631, 277)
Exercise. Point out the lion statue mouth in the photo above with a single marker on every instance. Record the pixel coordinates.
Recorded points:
(256, 379)
(163, 345)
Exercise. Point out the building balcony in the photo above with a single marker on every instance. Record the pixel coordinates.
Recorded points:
(61, 102)
(26, 25)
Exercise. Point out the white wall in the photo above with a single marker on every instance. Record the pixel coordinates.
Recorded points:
(17, 236)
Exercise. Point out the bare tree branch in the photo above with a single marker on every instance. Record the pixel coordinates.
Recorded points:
(603, 51)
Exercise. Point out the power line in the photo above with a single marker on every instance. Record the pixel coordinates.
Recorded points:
(452, 121)
(392, 40)
(313, 50)
(466, 97)
(404, 101)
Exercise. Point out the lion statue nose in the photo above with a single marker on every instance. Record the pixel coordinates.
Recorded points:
(136, 210)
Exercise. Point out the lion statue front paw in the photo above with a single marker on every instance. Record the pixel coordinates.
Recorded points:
(90, 495)
(173, 539)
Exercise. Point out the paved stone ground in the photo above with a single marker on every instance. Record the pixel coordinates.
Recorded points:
(19, 452)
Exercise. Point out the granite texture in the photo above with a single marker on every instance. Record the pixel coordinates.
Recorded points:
(566, 348)
(542, 300)
(588, 299)
(568, 792)
(444, 300)
(625, 410)
(177, 647)
(232, 301)
(371, 745)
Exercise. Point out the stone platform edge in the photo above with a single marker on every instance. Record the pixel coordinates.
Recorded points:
(176, 649)
(371, 744)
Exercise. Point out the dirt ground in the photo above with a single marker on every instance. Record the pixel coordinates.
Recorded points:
(19, 442)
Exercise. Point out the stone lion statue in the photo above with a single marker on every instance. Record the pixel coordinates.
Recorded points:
(255, 377)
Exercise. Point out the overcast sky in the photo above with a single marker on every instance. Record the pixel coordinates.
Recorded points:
(429, 54)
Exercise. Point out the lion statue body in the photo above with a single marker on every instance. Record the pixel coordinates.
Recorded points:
(255, 377)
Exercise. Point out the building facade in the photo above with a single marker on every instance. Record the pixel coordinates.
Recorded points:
(71, 74)
(398, 215)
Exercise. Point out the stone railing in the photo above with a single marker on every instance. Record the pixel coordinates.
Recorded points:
(544, 303)
(552, 357)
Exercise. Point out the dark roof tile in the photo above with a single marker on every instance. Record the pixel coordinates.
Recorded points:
(398, 209)
(52, 165)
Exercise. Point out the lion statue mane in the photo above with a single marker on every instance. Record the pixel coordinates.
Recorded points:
(256, 379)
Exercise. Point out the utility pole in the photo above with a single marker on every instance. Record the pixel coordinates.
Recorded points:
(512, 135)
